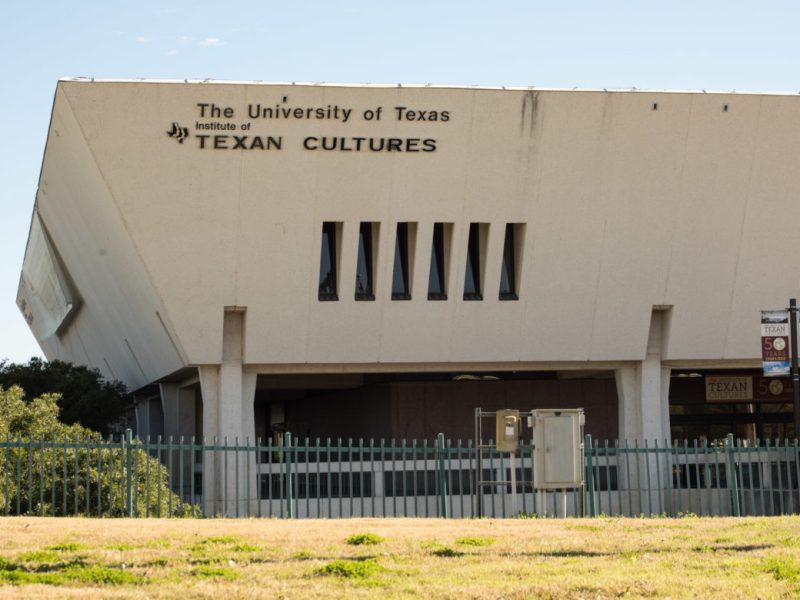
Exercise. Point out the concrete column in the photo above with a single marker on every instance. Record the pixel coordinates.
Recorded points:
(178, 407)
(155, 418)
(228, 395)
(187, 399)
(187, 432)
(169, 406)
(643, 392)
(149, 417)
(142, 412)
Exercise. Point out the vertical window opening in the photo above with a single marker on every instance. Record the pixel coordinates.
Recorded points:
(472, 277)
(364, 268)
(436, 279)
(401, 286)
(327, 263)
(508, 272)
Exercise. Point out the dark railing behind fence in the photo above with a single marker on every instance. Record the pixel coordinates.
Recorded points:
(386, 478)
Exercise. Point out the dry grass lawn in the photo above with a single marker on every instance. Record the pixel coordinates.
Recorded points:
(399, 558)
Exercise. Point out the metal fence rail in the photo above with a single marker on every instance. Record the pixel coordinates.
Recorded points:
(386, 478)
(726, 478)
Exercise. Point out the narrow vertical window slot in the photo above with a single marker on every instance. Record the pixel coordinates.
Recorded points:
(472, 275)
(328, 262)
(437, 289)
(365, 274)
(403, 260)
(508, 269)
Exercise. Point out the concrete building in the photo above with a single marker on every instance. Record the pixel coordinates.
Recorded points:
(376, 261)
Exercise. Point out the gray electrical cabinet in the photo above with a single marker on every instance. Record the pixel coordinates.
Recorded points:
(557, 448)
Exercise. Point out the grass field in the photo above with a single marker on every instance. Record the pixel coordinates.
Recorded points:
(515, 558)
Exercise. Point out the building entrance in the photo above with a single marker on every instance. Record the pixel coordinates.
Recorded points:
(422, 405)
(711, 404)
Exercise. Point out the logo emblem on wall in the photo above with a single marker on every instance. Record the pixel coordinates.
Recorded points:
(178, 132)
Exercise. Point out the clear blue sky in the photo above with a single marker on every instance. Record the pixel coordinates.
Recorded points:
(697, 44)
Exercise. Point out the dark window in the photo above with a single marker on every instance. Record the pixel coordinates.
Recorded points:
(436, 283)
(401, 287)
(364, 273)
(508, 275)
(327, 263)
(472, 277)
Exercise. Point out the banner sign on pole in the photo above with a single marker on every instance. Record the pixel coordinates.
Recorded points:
(775, 342)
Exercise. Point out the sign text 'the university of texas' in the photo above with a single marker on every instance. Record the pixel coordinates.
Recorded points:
(219, 127)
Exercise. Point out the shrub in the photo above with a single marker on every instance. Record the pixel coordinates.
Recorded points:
(51, 468)
(84, 396)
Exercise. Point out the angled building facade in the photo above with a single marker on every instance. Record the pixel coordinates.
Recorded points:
(376, 261)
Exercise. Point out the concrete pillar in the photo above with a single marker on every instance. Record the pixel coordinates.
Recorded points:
(187, 433)
(179, 413)
(155, 418)
(228, 393)
(142, 413)
(187, 400)
(149, 417)
(169, 406)
(178, 406)
(643, 392)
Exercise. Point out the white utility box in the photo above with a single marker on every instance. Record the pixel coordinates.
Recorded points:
(557, 448)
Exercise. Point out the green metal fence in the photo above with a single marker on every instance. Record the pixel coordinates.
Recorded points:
(386, 478)
(727, 477)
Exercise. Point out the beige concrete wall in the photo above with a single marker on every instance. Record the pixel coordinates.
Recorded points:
(121, 325)
(626, 207)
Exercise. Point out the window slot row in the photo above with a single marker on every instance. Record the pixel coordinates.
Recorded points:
(404, 248)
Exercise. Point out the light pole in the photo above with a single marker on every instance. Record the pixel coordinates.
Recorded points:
(795, 373)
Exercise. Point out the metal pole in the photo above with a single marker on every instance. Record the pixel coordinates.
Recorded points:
(440, 446)
(288, 461)
(589, 485)
(512, 463)
(128, 478)
(733, 482)
(478, 466)
(795, 373)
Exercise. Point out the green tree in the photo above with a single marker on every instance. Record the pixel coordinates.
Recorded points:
(52, 468)
(84, 396)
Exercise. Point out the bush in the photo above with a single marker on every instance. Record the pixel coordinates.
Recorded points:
(51, 468)
(84, 397)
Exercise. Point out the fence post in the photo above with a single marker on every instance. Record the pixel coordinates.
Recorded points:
(128, 483)
(587, 448)
(288, 458)
(442, 476)
(733, 483)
